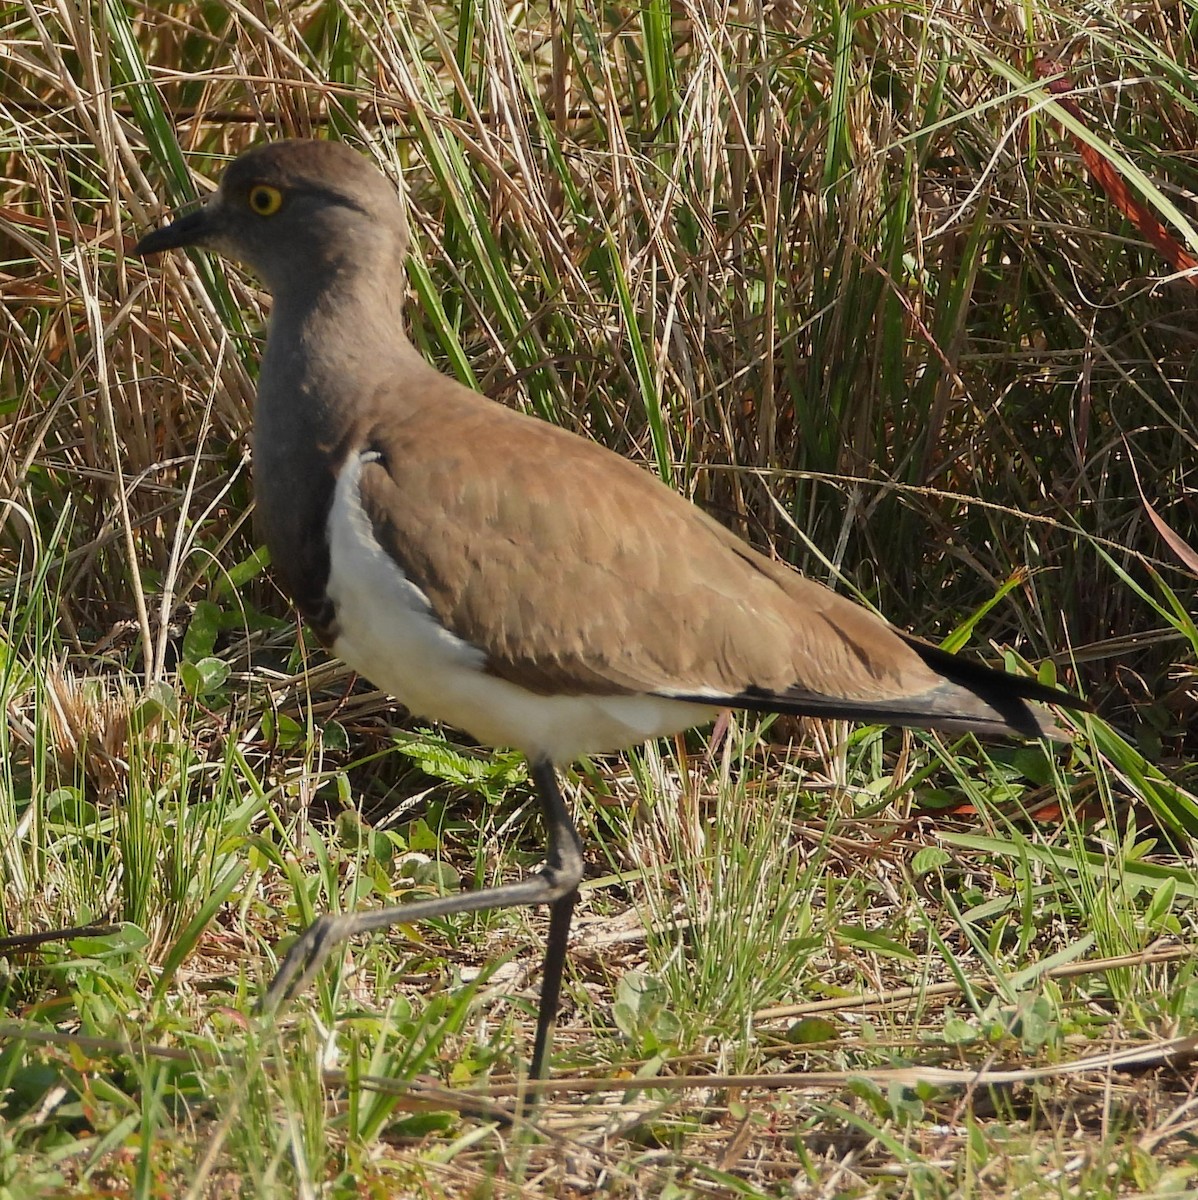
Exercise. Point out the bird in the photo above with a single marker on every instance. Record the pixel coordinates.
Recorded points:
(503, 575)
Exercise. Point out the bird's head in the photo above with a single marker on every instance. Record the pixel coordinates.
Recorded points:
(296, 212)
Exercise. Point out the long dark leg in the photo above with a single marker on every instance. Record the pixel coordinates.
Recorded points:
(556, 884)
(564, 843)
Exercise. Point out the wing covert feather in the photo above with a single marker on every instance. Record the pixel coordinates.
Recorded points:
(576, 571)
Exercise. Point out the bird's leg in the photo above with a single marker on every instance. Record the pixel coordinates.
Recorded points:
(565, 857)
(556, 884)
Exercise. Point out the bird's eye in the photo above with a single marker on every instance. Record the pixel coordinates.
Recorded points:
(264, 200)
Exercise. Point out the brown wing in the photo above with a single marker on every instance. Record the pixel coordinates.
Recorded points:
(576, 572)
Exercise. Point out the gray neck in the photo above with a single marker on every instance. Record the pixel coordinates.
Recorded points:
(327, 353)
(331, 353)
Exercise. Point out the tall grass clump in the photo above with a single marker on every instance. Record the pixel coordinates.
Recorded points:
(842, 276)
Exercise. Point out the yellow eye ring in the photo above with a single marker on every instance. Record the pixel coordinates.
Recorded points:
(265, 200)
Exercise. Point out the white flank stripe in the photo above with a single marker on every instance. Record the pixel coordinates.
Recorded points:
(388, 633)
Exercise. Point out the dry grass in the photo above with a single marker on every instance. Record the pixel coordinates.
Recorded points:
(837, 274)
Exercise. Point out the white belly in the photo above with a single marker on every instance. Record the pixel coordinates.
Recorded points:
(387, 633)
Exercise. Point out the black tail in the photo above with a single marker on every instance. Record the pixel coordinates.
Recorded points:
(973, 698)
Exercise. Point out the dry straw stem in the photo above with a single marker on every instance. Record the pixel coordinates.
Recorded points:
(1171, 1052)
(424, 1096)
(892, 996)
(837, 274)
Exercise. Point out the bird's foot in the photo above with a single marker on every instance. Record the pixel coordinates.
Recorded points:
(306, 956)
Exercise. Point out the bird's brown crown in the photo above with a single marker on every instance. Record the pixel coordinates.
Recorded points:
(329, 167)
